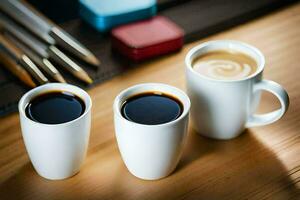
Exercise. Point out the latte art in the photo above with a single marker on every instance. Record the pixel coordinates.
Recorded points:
(224, 69)
(225, 65)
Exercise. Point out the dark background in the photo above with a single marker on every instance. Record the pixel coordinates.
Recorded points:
(198, 18)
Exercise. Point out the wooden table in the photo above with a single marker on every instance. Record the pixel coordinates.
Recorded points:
(262, 163)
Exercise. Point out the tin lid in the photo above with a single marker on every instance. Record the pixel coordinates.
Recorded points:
(102, 8)
(149, 38)
(148, 32)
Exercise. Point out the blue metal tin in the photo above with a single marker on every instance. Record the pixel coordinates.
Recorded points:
(106, 14)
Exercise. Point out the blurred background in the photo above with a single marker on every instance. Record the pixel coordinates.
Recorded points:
(92, 24)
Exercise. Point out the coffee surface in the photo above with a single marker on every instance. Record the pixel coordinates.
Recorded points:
(152, 108)
(225, 65)
(55, 107)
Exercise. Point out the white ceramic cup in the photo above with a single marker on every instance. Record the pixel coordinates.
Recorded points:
(222, 109)
(151, 151)
(56, 150)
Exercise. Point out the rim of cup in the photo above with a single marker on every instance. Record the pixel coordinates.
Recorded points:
(28, 96)
(249, 50)
(137, 89)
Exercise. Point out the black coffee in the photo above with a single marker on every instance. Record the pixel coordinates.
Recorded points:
(151, 108)
(55, 107)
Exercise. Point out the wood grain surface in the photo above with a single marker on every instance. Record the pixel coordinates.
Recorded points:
(262, 163)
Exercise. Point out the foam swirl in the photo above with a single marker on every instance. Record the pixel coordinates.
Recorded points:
(223, 69)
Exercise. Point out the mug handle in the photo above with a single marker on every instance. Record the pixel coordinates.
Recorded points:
(268, 118)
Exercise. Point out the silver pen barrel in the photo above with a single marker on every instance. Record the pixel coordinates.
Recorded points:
(68, 42)
(45, 30)
(23, 15)
(22, 35)
(69, 64)
(21, 58)
(33, 69)
(43, 49)
(43, 63)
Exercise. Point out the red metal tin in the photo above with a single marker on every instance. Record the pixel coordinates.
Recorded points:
(148, 38)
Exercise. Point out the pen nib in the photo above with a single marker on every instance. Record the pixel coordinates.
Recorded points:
(84, 77)
(93, 60)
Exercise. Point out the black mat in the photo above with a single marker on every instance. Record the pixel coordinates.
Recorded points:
(198, 19)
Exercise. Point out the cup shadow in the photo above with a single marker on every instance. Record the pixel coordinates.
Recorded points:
(243, 150)
(27, 184)
(241, 168)
(10, 188)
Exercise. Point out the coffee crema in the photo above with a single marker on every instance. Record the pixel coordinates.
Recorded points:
(55, 107)
(225, 65)
(152, 108)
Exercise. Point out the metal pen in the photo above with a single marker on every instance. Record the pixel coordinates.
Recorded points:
(46, 30)
(43, 63)
(43, 50)
(23, 60)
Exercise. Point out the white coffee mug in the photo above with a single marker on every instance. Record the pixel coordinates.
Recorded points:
(222, 109)
(151, 151)
(56, 151)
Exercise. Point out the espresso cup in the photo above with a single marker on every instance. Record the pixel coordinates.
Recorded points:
(56, 151)
(222, 109)
(151, 151)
